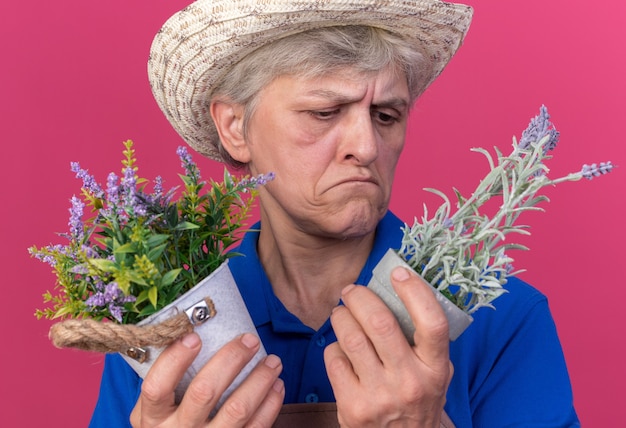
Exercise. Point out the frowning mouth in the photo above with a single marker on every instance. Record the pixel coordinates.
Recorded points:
(362, 179)
(353, 183)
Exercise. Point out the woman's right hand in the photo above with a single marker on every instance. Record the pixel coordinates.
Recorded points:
(257, 401)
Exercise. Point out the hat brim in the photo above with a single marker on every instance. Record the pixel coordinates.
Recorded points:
(197, 45)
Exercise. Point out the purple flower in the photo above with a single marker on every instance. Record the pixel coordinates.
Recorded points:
(113, 189)
(132, 204)
(96, 300)
(254, 182)
(77, 229)
(112, 292)
(80, 269)
(128, 182)
(158, 187)
(539, 127)
(46, 255)
(90, 252)
(113, 194)
(89, 182)
(191, 169)
(116, 312)
(262, 180)
(508, 268)
(109, 296)
(594, 170)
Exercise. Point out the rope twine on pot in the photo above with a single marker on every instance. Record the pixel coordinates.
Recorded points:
(109, 337)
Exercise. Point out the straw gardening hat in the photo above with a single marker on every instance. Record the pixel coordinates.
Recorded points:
(202, 42)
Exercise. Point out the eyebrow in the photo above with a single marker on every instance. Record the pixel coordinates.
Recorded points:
(339, 98)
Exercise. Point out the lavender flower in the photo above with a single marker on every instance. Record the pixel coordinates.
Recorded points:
(255, 182)
(132, 203)
(538, 128)
(89, 182)
(125, 254)
(158, 187)
(116, 311)
(128, 184)
(594, 170)
(80, 269)
(77, 229)
(469, 263)
(109, 296)
(89, 252)
(187, 163)
(46, 255)
(262, 180)
(113, 189)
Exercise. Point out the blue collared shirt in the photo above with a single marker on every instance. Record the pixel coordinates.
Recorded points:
(509, 368)
(300, 347)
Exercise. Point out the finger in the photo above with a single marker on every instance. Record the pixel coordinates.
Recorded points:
(354, 342)
(215, 377)
(431, 325)
(156, 401)
(270, 407)
(257, 401)
(135, 415)
(340, 371)
(378, 324)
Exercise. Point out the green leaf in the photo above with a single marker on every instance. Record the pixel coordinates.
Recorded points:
(137, 278)
(147, 310)
(155, 240)
(142, 297)
(153, 295)
(188, 181)
(104, 265)
(170, 277)
(186, 225)
(155, 253)
(61, 312)
(126, 248)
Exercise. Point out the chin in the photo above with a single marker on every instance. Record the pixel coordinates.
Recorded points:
(354, 223)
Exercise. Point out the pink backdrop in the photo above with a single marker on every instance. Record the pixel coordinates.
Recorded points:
(74, 87)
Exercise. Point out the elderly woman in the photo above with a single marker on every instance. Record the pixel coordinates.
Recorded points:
(319, 92)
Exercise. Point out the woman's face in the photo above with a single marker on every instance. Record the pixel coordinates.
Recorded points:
(333, 143)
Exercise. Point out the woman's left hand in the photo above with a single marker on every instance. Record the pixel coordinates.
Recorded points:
(378, 378)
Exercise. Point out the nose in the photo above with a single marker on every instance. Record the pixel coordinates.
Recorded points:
(360, 140)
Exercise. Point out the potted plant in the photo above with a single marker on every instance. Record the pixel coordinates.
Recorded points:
(463, 254)
(140, 270)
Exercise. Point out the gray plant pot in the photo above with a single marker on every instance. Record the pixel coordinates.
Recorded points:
(231, 319)
(380, 284)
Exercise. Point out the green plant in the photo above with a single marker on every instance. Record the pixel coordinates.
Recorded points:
(464, 254)
(136, 252)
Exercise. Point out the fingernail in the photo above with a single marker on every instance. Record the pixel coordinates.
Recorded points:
(400, 274)
(191, 341)
(249, 340)
(279, 385)
(347, 289)
(272, 361)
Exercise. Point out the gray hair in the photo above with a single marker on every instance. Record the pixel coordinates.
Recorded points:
(316, 53)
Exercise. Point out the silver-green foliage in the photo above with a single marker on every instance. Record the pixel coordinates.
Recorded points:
(465, 254)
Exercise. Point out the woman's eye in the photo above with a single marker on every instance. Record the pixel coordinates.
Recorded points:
(384, 118)
(324, 114)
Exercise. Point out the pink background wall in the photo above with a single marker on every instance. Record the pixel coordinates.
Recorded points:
(74, 87)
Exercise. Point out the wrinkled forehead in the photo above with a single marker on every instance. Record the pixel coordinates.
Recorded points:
(344, 84)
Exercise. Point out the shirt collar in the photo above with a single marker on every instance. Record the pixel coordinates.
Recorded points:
(254, 284)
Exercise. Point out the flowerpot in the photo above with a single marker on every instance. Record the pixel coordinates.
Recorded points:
(229, 319)
(380, 284)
